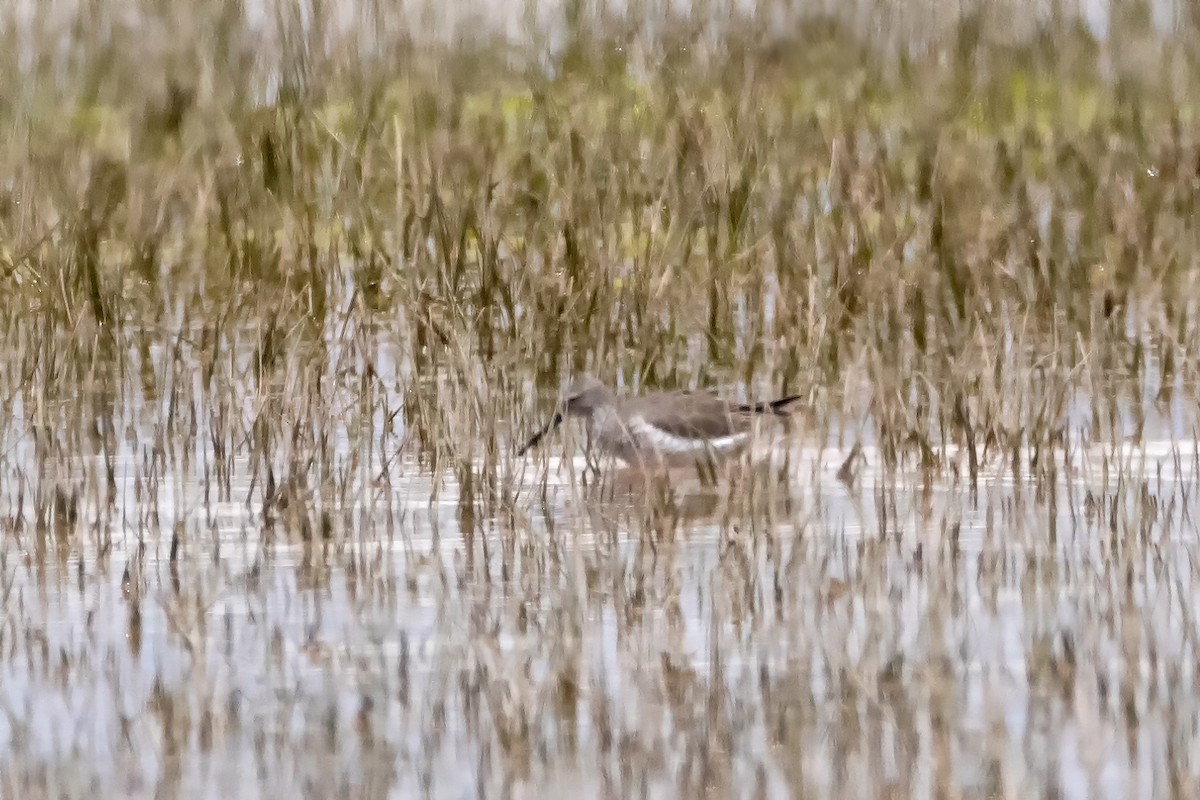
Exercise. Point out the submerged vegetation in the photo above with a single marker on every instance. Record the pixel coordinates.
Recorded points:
(282, 286)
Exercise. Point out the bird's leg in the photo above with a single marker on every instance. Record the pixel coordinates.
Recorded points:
(591, 455)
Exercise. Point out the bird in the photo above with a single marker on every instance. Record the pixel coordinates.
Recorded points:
(664, 429)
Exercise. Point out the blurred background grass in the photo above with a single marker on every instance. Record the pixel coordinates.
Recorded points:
(778, 197)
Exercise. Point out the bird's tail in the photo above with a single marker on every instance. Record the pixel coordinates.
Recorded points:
(781, 408)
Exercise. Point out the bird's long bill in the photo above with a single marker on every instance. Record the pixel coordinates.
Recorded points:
(554, 422)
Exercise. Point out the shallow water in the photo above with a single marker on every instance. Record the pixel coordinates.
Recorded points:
(894, 635)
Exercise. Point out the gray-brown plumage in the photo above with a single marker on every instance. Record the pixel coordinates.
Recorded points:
(667, 428)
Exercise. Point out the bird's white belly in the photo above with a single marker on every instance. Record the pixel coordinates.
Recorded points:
(637, 441)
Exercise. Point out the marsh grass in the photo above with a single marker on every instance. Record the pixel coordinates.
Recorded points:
(280, 291)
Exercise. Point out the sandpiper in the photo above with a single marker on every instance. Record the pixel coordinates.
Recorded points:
(664, 429)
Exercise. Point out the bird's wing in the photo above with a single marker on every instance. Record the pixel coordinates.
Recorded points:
(690, 415)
